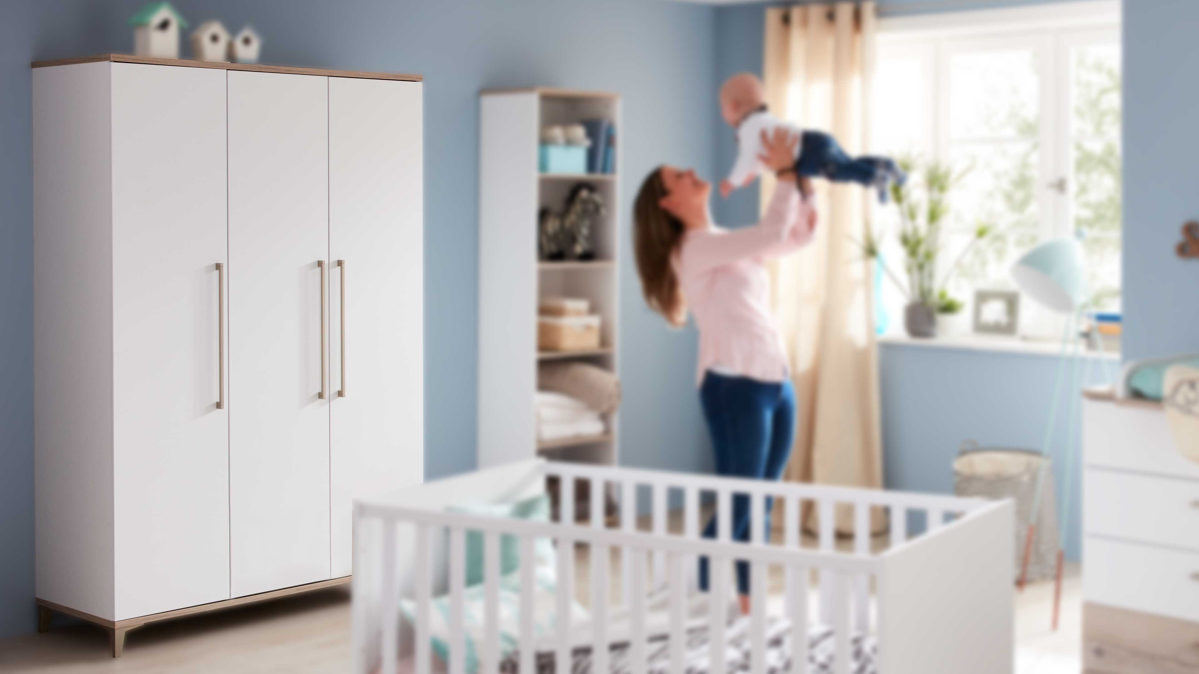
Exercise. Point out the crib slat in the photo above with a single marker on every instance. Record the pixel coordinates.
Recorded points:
(724, 515)
(528, 652)
(637, 659)
(691, 531)
(565, 590)
(861, 582)
(828, 530)
(718, 570)
(936, 519)
(597, 503)
(757, 617)
(490, 658)
(599, 607)
(757, 518)
(660, 516)
(390, 599)
(457, 603)
(628, 522)
(899, 525)
(359, 616)
(841, 636)
(797, 612)
(678, 594)
(421, 581)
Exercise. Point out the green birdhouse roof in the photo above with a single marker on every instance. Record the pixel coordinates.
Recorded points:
(145, 14)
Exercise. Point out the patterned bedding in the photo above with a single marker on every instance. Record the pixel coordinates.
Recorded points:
(821, 646)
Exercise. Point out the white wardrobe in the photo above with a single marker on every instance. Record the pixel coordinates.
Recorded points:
(228, 327)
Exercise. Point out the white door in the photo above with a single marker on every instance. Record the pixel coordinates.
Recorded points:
(375, 242)
(279, 424)
(171, 454)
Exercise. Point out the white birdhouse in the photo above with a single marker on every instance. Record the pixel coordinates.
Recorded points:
(210, 42)
(156, 29)
(245, 47)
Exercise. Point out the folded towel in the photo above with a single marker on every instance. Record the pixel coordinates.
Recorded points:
(569, 429)
(595, 386)
(553, 399)
(564, 414)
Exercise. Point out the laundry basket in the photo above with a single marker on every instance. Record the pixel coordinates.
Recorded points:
(999, 473)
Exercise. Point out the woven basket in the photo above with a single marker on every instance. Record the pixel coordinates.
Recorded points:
(1003, 473)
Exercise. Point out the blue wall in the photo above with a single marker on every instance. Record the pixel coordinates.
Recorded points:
(1161, 181)
(659, 55)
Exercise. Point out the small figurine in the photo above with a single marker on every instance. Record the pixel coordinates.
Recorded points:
(584, 207)
(210, 42)
(246, 46)
(156, 30)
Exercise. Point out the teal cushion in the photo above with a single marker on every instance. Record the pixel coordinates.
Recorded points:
(1148, 380)
(536, 509)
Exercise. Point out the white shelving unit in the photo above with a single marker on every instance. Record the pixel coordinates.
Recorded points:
(512, 277)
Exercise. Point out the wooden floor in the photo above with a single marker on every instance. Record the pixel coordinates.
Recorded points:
(312, 634)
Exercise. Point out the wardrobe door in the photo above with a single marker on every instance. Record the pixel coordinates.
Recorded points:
(375, 241)
(170, 436)
(278, 391)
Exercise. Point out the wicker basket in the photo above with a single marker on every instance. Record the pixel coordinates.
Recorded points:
(999, 473)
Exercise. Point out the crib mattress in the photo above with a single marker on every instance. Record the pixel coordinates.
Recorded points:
(821, 652)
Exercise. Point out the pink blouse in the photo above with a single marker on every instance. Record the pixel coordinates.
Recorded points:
(724, 280)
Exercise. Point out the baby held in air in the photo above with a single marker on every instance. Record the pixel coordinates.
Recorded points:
(818, 155)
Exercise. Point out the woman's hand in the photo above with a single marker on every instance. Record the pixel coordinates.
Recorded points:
(778, 149)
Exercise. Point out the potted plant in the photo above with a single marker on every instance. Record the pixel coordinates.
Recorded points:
(923, 206)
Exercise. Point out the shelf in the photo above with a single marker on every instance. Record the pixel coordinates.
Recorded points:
(577, 264)
(582, 353)
(578, 176)
(573, 442)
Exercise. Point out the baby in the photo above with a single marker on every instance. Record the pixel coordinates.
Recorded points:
(818, 154)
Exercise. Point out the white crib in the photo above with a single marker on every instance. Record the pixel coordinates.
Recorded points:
(938, 602)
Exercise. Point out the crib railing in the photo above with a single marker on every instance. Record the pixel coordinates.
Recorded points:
(653, 562)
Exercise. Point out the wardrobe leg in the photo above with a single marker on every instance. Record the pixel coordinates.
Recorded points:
(117, 635)
(43, 619)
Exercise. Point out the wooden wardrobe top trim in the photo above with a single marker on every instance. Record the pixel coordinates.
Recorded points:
(551, 92)
(219, 65)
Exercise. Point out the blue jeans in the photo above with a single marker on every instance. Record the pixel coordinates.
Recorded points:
(752, 424)
(821, 156)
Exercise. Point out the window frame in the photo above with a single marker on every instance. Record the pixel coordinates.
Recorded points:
(1051, 32)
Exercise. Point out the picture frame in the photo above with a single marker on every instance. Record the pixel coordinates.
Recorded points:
(996, 312)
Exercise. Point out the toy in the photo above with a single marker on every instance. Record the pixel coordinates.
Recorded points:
(210, 42)
(246, 46)
(156, 30)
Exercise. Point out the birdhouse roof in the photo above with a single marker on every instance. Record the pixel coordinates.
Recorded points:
(146, 14)
(211, 25)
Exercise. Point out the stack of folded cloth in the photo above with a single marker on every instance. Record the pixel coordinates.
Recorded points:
(560, 417)
(572, 399)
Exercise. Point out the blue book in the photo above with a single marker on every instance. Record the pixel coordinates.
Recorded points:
(595, 132)
(609, 162)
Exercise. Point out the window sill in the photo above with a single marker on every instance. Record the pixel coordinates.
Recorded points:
(991, 344)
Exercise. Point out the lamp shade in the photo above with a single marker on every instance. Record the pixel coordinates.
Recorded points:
(1052, 274)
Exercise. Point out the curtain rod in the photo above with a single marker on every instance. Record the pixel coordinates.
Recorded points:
(831, 15)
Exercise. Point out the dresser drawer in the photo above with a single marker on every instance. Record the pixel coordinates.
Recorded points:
(1141, 508)
(1141, 578)
(1132, 438)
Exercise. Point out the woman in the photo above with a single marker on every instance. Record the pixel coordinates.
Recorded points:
(686, 262)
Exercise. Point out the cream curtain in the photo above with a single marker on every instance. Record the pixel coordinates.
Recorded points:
(818, 64)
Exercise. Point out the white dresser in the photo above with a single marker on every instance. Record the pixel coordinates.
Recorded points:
(228, 328)
(1141, 542)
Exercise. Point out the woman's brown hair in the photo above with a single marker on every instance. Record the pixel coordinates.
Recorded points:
(656, 236)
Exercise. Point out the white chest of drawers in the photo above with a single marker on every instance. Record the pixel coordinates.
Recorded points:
(1140, 542)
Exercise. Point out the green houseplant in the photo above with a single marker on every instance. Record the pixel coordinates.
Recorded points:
(923, 206)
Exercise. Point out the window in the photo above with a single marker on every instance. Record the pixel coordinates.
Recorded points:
(1024, 104)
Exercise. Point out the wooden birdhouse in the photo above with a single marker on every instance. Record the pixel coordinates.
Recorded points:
(156, 29)
(246, 46)
(210, 42)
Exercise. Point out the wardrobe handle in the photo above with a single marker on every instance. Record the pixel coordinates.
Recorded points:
(220, 334)
(341, 266)
(324, 393)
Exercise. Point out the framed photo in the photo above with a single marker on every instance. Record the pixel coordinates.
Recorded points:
(996, 312)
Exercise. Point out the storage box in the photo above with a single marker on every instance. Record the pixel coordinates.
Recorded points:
(563, 306)
(568, 333)
(562, 159)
